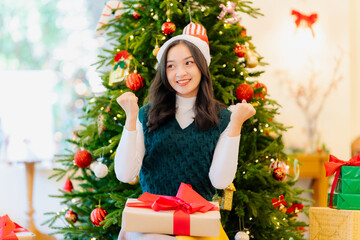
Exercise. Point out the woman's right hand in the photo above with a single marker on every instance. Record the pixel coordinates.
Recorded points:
(129, 102)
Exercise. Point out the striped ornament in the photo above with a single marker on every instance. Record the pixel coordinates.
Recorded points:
(106, 13)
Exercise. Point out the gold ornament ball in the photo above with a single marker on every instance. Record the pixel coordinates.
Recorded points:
(135, 181)
(251, 59)
(156, 50)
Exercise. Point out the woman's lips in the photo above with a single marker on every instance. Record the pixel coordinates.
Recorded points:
(183, 82)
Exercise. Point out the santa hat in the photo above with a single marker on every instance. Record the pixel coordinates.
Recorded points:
(194, 33)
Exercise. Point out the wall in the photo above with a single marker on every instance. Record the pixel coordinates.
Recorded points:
(294, 54)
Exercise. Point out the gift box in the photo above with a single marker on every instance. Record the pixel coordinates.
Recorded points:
(350, 186)
(25, 236)
(333, 224)
(186, 214)
(12, 231)
(344, 170)
(350, 172)
(335, 196)
(345, 201)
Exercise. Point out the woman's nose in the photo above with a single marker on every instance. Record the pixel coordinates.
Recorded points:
(181, 72)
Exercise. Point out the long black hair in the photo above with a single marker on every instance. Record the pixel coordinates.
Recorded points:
(162, 96)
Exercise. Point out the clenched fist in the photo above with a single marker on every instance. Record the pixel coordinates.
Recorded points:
(240, 113)
(129, 102)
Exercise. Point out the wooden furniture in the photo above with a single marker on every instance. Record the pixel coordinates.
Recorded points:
(30, 170)
(313, 167)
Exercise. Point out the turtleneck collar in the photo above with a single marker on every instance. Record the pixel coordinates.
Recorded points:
(183, 102)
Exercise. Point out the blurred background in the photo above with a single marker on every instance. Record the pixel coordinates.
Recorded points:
(47, 49)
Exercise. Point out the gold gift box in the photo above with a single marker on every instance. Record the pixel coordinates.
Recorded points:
(333, 224)
(146, 220)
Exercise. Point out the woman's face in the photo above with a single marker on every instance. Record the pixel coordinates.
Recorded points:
(182, 72)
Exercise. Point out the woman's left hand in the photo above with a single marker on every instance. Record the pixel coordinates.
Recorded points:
(240, 113)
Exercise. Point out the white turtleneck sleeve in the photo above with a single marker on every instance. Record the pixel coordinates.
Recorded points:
(131, 149)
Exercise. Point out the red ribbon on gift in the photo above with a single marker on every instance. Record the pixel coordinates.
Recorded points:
(8, 229)
(186, 202)
(334, 165)
(308, 19)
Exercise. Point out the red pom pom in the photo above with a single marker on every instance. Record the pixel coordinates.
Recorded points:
(68, 186)
(71, 216)
(244, 91)
(279, 173)
(134, 81)
(263, 91)
(168, 28)
(97, 216)
(240, 51)
(83, 159)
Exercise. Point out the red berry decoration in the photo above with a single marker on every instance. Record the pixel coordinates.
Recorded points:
(134, 81)
(168, 28)
(68, 186)
(263, 91)
(244, 91)
(97, 216)
(240, 51)
(71, 216)
(279, 173)
(136, 15)
(83, 159)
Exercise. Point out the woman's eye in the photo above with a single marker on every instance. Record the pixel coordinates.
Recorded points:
(189, 62)
(170, 66)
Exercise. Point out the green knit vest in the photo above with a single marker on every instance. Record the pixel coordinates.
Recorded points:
(174, 155)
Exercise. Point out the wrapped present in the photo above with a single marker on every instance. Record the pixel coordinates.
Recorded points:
(334, 166)
(349, 186)
(187, 214)
(350, 172)
(335, 197)
(12, 231)
(333, 224)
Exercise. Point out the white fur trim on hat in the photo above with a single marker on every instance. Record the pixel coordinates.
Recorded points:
(200, 44)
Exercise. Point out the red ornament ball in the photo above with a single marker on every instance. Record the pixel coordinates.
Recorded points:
(279, 173)
(83, 159)
(71, 216)
(244, 91)
(134, 81)
(97, 216)
(263, 91)
(240, 51)
(168, 28)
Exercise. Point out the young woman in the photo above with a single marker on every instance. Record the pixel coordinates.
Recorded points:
(183, 134)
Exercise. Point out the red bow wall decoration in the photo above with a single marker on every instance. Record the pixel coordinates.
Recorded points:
(307, 20)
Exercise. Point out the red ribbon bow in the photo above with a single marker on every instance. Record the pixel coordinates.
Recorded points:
(8, 229)
(278, 202)
(122, 54)
(334, 165)
(308, 19)
(186, 202)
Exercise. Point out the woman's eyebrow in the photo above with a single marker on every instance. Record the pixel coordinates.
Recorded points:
(183, 59)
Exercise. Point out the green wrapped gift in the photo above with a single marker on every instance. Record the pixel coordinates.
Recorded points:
(351, 186)
(347, 201)
(350, 172)
(335, 197)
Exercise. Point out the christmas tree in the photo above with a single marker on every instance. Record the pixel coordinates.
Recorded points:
(264, 203)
